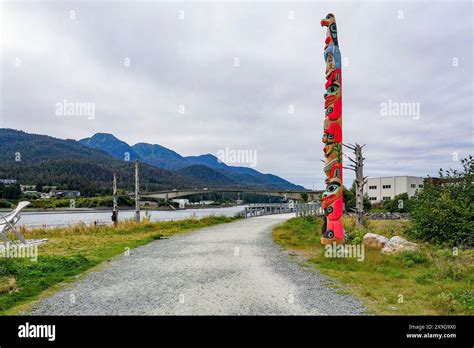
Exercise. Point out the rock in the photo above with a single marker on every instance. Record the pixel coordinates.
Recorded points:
(375, 241)
(398, 240)
(398, 244)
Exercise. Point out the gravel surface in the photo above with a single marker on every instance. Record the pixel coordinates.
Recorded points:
(229, 269)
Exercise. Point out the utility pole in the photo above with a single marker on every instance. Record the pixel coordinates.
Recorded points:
(360, 180)
(137, 191)
(115, 200)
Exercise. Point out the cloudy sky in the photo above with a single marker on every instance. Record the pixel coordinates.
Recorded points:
(198, 77)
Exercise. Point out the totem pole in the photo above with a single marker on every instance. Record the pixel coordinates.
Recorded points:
(332, 200)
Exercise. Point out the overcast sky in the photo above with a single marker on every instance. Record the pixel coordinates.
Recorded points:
(238, 69)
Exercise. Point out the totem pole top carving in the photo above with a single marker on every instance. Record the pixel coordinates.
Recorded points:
(332, 56)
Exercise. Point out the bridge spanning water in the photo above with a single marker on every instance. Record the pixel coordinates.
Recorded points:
(288, 194)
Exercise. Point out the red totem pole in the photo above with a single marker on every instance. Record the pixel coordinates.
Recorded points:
(332, 202)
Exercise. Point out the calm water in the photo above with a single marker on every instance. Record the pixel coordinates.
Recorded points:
(35, 219)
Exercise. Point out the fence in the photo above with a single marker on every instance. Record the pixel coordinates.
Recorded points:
(307, 209)
(301, 209)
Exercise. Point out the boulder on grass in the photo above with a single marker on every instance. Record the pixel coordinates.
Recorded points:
(376, 241)
(398, 244)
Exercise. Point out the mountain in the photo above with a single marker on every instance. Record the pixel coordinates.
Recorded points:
(160, 156)
(270, 179)
(244, 174)
(88, 165)
(202, 173)
(32, 159)
(156, 155)
(207, 160)
(216, 174)
(111, 145)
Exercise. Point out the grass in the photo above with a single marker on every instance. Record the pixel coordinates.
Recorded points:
(431, 281)
(71, 251)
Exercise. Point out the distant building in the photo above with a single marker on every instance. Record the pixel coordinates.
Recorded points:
(32, 193)
(65, 193)
(385, 188)
(182, 202)
(25, 188)
(8, 181)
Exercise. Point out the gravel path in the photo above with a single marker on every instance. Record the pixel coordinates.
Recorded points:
(230, 269)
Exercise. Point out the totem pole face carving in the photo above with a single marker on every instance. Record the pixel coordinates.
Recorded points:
(332, 201)
(334, 211)
(333, 93)
(334, 111)
(332, 193)
(332, 132)
(330, 65)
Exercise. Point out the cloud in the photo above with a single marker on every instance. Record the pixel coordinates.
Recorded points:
(190, 62)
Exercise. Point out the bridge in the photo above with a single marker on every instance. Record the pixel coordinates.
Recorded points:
(288, 194)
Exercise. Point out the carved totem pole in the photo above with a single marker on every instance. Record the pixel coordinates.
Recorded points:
(332, 201)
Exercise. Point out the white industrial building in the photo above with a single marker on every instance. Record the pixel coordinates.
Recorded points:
(381, 189)
(183, 202)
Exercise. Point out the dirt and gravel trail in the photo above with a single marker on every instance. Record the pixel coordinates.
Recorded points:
(228, 269)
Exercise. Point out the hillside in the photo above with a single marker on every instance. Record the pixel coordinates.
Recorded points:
(216, 174)
(242, 175)
(202, 173)
(88, 165)
(32, 159)
(160, 156)
(111, 145)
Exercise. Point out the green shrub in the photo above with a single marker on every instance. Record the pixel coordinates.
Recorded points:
(355, 235)
(466, 298)
(5, 204)
(443, 213)
(399, 204)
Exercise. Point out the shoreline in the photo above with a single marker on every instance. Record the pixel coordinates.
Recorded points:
(109, 209)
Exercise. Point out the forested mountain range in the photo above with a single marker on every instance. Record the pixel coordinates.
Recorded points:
(87, 165)
(68, 164)
(165, 158)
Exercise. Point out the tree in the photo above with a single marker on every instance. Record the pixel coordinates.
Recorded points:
(350, 199)
(401, 203)
(304, 197)
(39, 187)
(12, 191)
(358, 167)
(443, 212)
